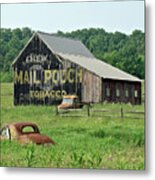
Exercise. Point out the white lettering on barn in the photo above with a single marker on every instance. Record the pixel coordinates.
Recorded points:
(36, 58)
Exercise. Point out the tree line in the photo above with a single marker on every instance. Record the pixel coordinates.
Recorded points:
(118, 49)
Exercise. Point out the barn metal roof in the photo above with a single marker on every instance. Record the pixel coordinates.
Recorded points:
(65, 45)
(76, 52)
(99, 67)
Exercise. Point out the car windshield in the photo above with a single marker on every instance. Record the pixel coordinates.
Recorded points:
(67, 100)
(5, 133)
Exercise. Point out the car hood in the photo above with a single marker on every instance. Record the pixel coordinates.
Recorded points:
(65, 105)
(35, 138)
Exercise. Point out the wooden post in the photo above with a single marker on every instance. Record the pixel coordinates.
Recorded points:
(56, 110)
(122, 114)
(88, 110)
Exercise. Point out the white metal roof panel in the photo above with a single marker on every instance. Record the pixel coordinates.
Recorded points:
(65, 45)
(100, 68)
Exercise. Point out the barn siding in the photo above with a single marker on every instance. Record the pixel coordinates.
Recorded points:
(122, 86)
(91, 87)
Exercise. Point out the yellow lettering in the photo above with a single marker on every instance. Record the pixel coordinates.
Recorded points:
(47, 75)
(71, 75)
(42, 95)
(53, 94)
(63, 93)
(57, 94)
(26, 77)
(19, 77)
(31, 77)
(35, 80)
(31, 94)
(79, 75)
(55, 76)
(47, 94)
(36, 94)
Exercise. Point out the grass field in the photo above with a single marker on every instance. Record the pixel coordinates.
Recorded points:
(82, 142)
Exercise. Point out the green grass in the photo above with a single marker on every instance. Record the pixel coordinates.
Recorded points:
(82, 142)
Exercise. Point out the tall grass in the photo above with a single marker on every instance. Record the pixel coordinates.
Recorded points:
(83, 142)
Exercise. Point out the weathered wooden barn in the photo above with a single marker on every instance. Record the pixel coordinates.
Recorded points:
(50, 67)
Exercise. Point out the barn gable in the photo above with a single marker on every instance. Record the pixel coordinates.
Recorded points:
(35, 46)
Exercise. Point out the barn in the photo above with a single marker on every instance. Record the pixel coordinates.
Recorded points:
(49, 67)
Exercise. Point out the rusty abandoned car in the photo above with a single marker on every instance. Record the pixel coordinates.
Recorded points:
(70, 102)
(25, 133)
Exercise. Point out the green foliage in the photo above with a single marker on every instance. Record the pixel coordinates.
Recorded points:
(123, 51)
(12, 41)
(30, 157)
(6, 76)
(83, 142)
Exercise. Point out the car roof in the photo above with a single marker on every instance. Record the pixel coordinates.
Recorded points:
(71, 96)
(20, 125)
(23, 124)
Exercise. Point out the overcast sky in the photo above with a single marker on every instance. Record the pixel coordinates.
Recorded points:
(51, 17)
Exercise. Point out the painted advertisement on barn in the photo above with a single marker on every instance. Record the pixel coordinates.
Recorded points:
(40, 82)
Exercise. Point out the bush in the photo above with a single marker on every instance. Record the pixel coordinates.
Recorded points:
(6, 76)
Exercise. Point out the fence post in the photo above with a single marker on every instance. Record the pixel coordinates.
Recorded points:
(122, 113)
(88, 110)
(56, 110)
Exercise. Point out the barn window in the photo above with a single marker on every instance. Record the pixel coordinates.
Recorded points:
(107, 92)
(126, 93)
(136, 93)
(117, 92)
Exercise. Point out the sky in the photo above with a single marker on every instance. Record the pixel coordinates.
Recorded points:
(123, 16)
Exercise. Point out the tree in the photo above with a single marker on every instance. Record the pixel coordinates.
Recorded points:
(118, 49)
(17, 33)
(26, 33)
